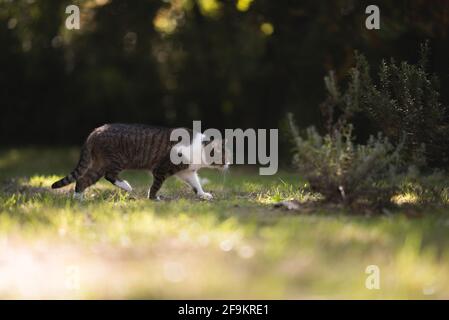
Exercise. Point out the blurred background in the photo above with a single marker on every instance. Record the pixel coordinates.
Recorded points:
(233, 63)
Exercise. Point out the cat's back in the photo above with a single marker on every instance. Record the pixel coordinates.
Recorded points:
(140, 145)
(115, 130)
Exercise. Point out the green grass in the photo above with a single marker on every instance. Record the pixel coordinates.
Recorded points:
(116, 245)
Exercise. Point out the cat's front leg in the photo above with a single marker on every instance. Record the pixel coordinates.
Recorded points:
(158, 179)
(191, 178)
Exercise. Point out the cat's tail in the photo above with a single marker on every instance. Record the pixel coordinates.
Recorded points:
(81, 167)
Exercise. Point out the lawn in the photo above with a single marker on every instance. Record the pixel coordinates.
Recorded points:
(119, 245)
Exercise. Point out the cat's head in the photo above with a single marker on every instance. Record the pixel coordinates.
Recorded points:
(201, 152)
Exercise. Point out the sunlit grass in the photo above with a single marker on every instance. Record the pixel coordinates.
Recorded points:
(117, 245)
(406, 198)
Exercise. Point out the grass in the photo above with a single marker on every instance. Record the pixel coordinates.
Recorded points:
(116, 245)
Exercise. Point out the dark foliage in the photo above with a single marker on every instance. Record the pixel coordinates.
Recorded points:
(404, 103)
(169, 62)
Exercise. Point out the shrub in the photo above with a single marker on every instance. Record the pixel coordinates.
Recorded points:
(404, 104)
(344, 172)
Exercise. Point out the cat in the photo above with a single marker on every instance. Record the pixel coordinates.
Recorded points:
(112, 148)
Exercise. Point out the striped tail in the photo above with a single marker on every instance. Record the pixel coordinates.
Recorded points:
(81, 167)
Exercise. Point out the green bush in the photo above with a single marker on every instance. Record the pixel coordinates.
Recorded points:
(403, 103)
(344, 172)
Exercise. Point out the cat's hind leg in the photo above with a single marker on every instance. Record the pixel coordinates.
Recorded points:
(158, 179)
(90, 177)
(113, 178)
(191, 178)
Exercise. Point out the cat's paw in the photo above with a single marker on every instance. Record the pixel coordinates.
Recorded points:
(157, 198)
(123, 184)
(206, 196)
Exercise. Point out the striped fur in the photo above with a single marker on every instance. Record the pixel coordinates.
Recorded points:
(113, 148)
(81, 168)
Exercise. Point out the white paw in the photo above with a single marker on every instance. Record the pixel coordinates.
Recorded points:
(206, 196)
(123, 185)
(78, 196)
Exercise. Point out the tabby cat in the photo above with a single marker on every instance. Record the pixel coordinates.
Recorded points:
(112, 148)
